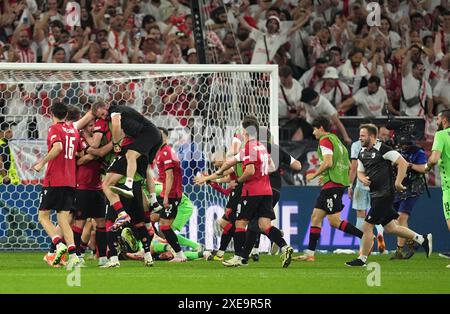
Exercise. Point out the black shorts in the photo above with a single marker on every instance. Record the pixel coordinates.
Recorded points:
(254, 223)
(89, 204)
(59, 198)
(330, 200)
(119, 166)
(382, 211)
(133, 206)
(232, 204)
(251, 207)
(172, 211)
(147, 142)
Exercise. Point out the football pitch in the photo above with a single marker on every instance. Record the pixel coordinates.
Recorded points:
(27, 273)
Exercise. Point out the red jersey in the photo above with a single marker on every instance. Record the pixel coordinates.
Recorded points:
(102, 126)
(61, 171)
(259, 183)
(167, 159)
(89, 174)
(327, 148)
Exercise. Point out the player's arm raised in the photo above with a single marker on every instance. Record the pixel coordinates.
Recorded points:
(219, 173)
(52, 154)
(248, 172)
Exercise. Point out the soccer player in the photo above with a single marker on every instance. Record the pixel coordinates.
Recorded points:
(334, 176)
(90, 200)
(133, 137)
(184, 213)
(134, 208)
(281, 158)
(256, 197)
(171, 177)
(233, 192)
(58, 191)
(441, 154)
(375, 170)
(146, 140)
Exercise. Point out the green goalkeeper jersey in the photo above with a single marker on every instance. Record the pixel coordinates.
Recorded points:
(185, 207)
(442, 144)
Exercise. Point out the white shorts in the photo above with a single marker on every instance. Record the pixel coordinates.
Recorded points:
(361, 199)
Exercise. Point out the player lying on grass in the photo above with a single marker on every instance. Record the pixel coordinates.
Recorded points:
(184, 213)
(159, 248)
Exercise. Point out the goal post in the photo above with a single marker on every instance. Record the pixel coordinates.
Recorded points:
(202, 104)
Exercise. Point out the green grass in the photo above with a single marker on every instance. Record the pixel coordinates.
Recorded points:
(27, 273)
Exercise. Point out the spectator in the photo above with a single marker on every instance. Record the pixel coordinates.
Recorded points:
(441, 94)
(353, 72)
(192, 56)
(372, 101)
(417, 96)
(317, 105)
(394, 41)
(320, 43)
(332, 88)
(267, 44)
(314, 76)
(289, 94)
(380, 67)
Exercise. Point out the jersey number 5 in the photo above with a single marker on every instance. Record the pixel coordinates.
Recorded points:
(70, 147)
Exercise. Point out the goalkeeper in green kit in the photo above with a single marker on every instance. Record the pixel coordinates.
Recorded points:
(441, 154)
(159, 246)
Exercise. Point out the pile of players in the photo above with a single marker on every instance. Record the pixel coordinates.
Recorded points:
(108, 153)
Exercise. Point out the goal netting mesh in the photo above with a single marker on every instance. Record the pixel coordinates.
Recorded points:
(201, 105)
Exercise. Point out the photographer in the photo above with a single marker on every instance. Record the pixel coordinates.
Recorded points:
(414, 182)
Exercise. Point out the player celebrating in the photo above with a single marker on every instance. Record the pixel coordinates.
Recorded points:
(375, 170)
(146, 140)
(256, 197)
(184, 213)
(90, 201)
(170, 175)
(58, 191)
(334, 175)
(441, 153)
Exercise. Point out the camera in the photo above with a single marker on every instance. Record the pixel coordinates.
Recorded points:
(404, 133)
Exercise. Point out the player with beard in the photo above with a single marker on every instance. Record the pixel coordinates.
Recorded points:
(441, 154)
(375, 170)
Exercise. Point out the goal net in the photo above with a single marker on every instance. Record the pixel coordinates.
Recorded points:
(202, 105)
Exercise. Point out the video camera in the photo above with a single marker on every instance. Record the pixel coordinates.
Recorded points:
(404, 133)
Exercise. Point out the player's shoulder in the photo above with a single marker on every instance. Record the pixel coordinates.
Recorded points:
(326, 142)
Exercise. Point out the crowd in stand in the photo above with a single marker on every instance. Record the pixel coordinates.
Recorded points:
(399, 66)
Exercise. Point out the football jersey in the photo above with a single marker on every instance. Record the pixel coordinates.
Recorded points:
(259, 183)
(61, 171)
(131, 121)
(376, 163)
(89, 174)
(167, 159)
